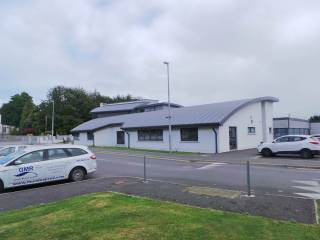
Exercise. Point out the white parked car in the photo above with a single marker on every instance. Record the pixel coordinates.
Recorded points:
(45, 164)
(316, 136)
(8, 149)
(304, 145)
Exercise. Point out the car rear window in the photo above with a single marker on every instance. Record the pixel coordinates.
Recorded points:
(76, 151)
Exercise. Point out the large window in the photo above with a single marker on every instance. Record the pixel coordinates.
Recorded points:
(189, 134)
(120, 137)
(150, 135)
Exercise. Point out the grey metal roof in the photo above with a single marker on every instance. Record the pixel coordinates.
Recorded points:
(129, 106)
(207, 114)
(125, 106)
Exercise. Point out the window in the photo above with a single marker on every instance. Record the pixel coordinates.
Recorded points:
(150, 135)
(296, 139)
(56, 153)
(251, 130)
(32, 157)
(189, 134)
(90, 136)
(283, 139)
(7, 151)
(270, 130)
(75, 136)
(120, 137)
(76, 152)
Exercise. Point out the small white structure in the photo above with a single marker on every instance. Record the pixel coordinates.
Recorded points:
(209, 128)
(5, 129)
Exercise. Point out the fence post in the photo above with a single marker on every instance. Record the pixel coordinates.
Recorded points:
(248, 179)
(144, 170)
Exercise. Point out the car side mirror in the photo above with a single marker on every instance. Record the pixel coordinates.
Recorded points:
(17, 162)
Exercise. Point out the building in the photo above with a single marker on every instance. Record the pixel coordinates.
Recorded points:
(287, 125)
(5, 129)
(145, 105)
(314, 127)
(209, 128)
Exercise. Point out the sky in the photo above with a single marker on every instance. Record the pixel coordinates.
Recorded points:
(218, 50)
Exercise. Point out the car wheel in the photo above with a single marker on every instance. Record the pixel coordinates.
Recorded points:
(77, 174)
(306, 154)
(266, 152)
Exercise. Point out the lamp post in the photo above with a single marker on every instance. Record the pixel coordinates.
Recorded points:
(52, 123)
(169, 106)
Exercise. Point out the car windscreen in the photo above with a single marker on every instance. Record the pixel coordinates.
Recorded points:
(10, 157)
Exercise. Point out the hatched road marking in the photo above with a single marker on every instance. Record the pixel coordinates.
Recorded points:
(212, 165)
(312, 189)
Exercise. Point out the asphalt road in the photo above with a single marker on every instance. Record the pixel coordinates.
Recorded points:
(267, 180)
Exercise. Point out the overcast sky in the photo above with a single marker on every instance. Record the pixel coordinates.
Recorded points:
(218, 49)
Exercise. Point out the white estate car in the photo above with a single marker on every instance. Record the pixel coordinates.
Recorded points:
(304, 145)
(8, 149)
(45, 164)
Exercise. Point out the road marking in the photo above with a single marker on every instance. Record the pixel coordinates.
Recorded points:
(312, 189)
(212, 165)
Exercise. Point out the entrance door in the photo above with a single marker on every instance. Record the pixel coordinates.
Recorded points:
(233, 138)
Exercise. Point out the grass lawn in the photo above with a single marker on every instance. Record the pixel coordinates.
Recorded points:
(117, 216)
(146, 150)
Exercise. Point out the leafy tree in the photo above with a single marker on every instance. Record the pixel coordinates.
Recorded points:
(315, 118)
(11, 112)
(27, 119)
(72, 107)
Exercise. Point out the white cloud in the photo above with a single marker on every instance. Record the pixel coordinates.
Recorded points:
(219, 50)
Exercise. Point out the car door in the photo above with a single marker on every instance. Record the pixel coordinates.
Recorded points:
(281, 145)
(27, 169)
(57, 163)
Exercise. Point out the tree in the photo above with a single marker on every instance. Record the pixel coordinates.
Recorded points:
(11, 112)
(72, 107)
(27, 119)
(315, 118)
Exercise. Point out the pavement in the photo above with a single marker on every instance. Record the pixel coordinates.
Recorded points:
(233, 157)
(294, 209)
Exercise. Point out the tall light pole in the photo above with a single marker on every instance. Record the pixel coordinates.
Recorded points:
(52, 123)
(169, 106)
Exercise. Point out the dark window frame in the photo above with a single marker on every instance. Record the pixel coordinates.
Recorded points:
(120, 137)
(153, 135)
(90, 136)
(186, 134)
(250, 132)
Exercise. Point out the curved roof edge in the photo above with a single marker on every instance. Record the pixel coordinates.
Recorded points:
(250, 101)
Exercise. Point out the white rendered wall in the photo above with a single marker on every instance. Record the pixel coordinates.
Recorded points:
(205, 143)
(83, 140)
(249, 116)
(108, 137)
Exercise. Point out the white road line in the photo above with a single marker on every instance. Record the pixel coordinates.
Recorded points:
(310, 183)
(310, 195)
(212, 165)
(311, 187)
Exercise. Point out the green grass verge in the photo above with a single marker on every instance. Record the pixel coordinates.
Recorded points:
(117, 216)
(146, 150)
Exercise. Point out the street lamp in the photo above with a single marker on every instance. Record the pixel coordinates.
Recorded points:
(52, 123)
(169, 106)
